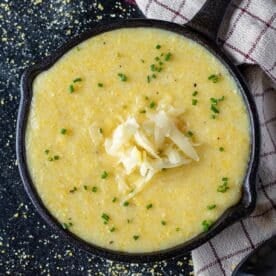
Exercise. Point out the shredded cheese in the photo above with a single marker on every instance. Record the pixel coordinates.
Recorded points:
(147, 148)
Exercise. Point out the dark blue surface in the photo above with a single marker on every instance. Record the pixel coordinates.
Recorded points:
(30, 30)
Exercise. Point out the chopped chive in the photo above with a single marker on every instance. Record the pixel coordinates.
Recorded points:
(122, 76)
(214, 78)
(163, 222)
(213, 100)
(129, 221)
(85, 187)
(152, 67)
(73, 190)
(51, 159)
(111, 242)
(94, 189)
(78, 48)
(195, 93)
(77, 80)
(149, 206)
(101, 130)
(142, 61)
(213, 116)
(221, 149)
(148, 79)
(158, 46)
(100, 84)
(105, 217)
(104, 175)
(214, 108)
(63, 131)
(189, 133)
(65, 226)
(224, 186)
(160, 63)
(211, 207)
(194, 101)
(135, 237)
(146, 98)
(152, 105)
(177, 229)
(112, 229)
(206, 224)
(126, 203)
(56, 157)
(159, 69)
(114, 199)
(157, 58)
(71, 88)
(168, 56)
(47, 151)
(153, 76)
(143, 111)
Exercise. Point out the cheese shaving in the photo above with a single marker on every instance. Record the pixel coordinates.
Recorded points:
(147, 148)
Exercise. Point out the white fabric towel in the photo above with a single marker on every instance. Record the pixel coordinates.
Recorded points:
(248, 33)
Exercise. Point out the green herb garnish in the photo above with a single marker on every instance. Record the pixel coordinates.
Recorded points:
(177, 229)
(149, 206)
(195, 93)
(214, 108)
(221, 149)
(194, 101)
(63, 131)
(77, 80)
(85, 187)
(56, 157)
(100, 84)
(114, 199)
(73, 190)
(135, 237)
(104, 175)
(105, 217)
(189, 133)
(214, 78)
(224, 186)
(158, 46)
(163, 222)
(152, 105)
(206, 224)
(71, 88)
(211, 207)
(47, 151)
(112, 229)
(122, 76)
(94, 189)
(126, 203)
(168, 56)
(148, 79)
(152, 67)
(101, 130)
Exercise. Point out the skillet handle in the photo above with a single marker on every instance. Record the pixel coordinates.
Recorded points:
(208, 20)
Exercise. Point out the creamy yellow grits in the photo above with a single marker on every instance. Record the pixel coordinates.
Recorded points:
(78, 103)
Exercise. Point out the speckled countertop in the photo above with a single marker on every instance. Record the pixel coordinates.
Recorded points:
(29, 31)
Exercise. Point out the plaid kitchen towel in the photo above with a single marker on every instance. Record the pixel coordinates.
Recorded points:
(248, 33)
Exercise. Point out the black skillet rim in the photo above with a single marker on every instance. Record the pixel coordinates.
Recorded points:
(232, 215)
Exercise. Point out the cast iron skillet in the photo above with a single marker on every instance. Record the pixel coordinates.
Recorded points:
(202, 29)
